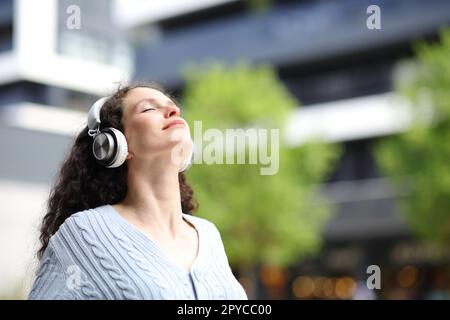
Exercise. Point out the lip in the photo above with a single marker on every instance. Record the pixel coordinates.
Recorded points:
(173, 123)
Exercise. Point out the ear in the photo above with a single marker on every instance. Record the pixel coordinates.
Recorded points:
(130, 155)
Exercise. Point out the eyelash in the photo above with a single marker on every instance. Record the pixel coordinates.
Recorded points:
(152, 108)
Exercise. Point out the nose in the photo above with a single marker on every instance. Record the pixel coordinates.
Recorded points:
(172, 110)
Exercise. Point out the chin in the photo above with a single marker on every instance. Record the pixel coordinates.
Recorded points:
(178, 134)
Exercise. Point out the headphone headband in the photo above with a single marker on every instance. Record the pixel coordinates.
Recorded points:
(93, 121)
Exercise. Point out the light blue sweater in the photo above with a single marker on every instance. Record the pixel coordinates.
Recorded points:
(97, 254)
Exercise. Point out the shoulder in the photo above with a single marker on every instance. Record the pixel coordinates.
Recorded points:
(81, 231)
(207, 228)
(77, 223)
(202, 223)
(50, 280)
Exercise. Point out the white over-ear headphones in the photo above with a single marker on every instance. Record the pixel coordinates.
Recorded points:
(110, 147)
(189, 160)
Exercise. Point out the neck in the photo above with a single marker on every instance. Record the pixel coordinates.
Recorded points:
(153, 199)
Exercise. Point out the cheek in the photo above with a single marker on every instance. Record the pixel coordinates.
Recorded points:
(143, 132)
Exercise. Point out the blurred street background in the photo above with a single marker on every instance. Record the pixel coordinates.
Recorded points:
(360, 208)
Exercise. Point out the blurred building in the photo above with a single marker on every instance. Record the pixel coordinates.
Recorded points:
(343, 73)
(52, 69)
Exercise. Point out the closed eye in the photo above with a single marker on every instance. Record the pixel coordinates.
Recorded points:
(148, 109)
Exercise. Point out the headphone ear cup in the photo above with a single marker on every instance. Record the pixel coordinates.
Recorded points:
(103, 147)
(121, 151)
(189, 161)
(110, 148)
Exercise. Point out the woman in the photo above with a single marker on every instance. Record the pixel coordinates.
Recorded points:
(117, 225)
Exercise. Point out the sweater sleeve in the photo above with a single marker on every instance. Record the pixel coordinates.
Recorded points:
(51, 281)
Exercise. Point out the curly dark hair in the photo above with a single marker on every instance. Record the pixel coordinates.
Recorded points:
(82, 183)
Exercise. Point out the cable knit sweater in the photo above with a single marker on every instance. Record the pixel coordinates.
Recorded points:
(97, 254)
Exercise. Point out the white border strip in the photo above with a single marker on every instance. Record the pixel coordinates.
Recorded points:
(9, 65)
(344, 120)
(350, 119)
(132, 13)
(32, 116)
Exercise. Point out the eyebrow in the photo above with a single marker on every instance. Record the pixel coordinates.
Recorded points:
(155, 102)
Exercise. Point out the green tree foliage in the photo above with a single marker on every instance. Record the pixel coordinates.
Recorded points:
(423, 152)
(262, 218)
